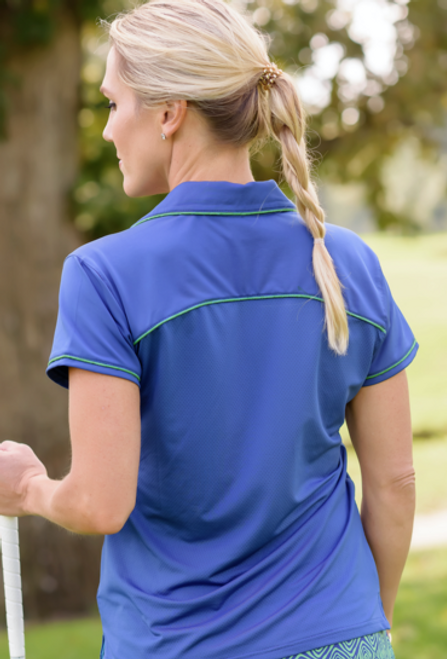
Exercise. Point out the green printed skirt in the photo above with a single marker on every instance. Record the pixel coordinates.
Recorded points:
(373, 646)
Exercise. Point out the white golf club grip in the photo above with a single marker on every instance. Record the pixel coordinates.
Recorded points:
(9, 534)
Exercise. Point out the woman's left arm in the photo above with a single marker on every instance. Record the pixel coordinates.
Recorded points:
(99, 493)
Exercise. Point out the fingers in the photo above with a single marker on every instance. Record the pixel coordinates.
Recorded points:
(8, 444)
(4, 445)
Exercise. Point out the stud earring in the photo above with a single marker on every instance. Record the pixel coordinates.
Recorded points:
(163, 136)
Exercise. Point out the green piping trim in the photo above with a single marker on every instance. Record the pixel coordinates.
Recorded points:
(174, 214)
(376, 375)
(366, 320)
(88, 361)
(241, 299)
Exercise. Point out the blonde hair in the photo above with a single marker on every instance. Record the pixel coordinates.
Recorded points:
(206, 52)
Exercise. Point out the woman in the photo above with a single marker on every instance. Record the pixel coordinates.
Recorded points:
(211, 359)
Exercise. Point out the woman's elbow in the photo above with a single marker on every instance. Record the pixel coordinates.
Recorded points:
(107, 524)
(398, 480)
(404, 481)
(107, 520)
(396, 493)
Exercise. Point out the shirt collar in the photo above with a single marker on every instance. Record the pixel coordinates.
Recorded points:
(222, 198)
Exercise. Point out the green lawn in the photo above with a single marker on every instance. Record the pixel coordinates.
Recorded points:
(74, 639)
(420, 622)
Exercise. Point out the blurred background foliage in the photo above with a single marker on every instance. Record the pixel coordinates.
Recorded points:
(371, 74)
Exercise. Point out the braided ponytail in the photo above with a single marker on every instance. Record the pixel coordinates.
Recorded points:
(287, 125)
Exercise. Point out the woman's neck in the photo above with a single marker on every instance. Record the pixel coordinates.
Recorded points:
(197, 156)
(216, 165)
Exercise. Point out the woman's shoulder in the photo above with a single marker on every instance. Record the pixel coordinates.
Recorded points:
(126, 248)
(347, 243)
(351, 253)
(358, 267)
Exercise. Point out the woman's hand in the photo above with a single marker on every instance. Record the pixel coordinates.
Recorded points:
(18, 465)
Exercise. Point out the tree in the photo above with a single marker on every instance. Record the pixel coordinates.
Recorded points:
(38, 167)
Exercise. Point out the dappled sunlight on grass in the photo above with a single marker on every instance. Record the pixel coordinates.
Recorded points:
(68, 639)
(420, 621)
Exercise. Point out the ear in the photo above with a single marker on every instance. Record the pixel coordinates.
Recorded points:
(173, 116)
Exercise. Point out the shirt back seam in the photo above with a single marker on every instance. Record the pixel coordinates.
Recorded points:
(251, 297)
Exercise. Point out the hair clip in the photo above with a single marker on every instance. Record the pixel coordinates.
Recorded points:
(269, 76)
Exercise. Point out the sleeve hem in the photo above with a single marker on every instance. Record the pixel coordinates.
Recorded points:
(57, 369)
(387, 373)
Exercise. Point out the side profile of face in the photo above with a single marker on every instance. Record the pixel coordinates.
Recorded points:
(136, 133)
(151, 165)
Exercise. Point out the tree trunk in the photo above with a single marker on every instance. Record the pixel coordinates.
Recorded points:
(38, 167)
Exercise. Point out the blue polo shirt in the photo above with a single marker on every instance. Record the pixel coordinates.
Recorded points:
(245, 540)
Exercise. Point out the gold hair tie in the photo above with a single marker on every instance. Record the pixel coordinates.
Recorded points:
(268, 78)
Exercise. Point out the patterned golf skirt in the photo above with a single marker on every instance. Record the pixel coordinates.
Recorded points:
(373, 646)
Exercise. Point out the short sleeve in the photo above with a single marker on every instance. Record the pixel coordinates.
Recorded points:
(396, 345)
(92, 331)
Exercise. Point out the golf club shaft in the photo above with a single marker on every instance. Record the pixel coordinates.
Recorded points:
(9, 534)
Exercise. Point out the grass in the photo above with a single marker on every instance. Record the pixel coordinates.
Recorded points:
(70, 639)
(420, 621)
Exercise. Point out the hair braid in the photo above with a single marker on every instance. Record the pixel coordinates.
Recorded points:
(288, 128)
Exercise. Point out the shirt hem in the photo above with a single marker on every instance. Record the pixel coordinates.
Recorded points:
(57, 369)
(318, 640)
(395, 368)
(306, 644)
